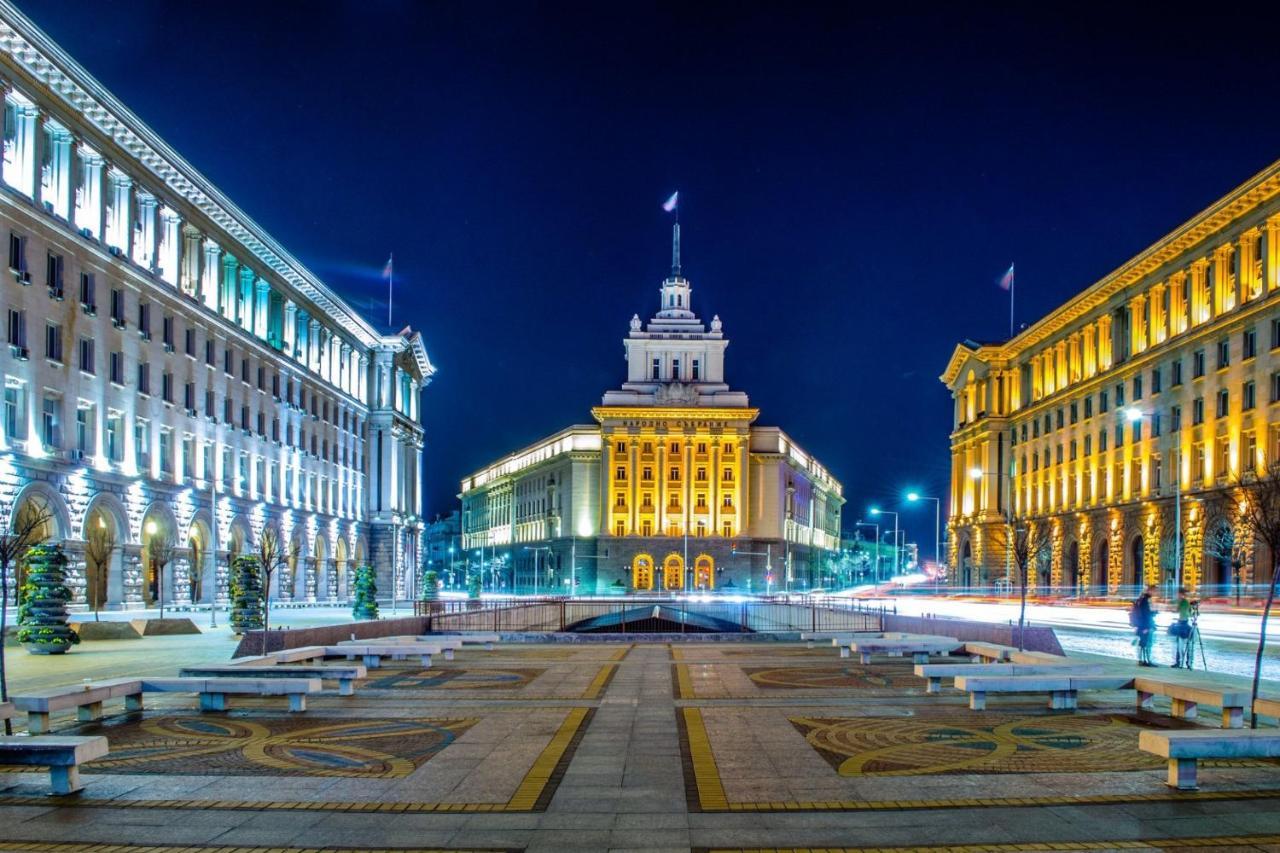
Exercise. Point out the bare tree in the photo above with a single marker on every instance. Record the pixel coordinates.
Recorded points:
(196, 575)
(100, 542)
(1260, 515)
(1222, 543)
(272, 554)
(160, 551)
(23, 530)
(1027, 545)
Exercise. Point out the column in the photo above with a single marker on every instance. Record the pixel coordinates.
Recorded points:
(191, 281)
(289, 332)
(19, 155)
(244, 300)
(56, 189)
(90, 199)
(209, 274)
(170, 245)
(144, 230)
(362, 380)
(227, 292)
(118, 228)
(313, 343)
(261, 293)
(1271, 254)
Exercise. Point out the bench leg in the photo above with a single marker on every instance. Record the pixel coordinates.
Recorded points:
(919, 657)
(297, 702)
(896, 654)
(89, 713)
(808, 644)
(1063, 700)
(977, 701)
(345, 687)
(65, 780)
(426, 661)
(488, 647)
(934, 685)
(37, 723)
(1184, 708)
(1182, 774)
(448, 654)
(1233, 718)
(844, 652)
(1146, 701)
(372, 661)
(864, 657)
(213, 701)
(133, 702)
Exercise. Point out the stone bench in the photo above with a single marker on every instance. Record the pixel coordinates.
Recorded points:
(1063, 689)
(7, 711)
(1266, 706)
(344, 675)
(373, 654)
(475, 637)
(1016, 656)
(933, 673)
(1184, 748)
(838, 638)
(918, 647)
(448, 644)
(988, 652)
(62, 755)
(1187, 696)
(302, 654)
(87, 699)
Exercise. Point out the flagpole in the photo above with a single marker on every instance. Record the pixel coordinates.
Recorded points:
(391, 278)
(1013, 279)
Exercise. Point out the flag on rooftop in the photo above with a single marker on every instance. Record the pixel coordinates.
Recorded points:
(386, 271)
(1006, 280)
(670, 204)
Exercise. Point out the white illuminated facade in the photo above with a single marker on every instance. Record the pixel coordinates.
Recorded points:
(172, 374)
(672, 488)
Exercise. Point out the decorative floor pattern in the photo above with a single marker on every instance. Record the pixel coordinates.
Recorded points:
(62, 847)
(1267, 843)
(235, 745)
(854, 676)
(455, 679)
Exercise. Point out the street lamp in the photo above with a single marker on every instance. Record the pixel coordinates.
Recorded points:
(536, 551)
(915, 497)
(896, 551)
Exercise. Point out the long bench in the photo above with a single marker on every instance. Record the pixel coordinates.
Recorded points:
(87, 699)
(988, 652)
(1188, 696)
(1184, 748)
(918, 647)
(474, 637)
(448, 644)
(7, 711)
(1063, 689)
(373, 654)
(837, 638)
(345, 675)
(1267, 706)
(933, 673)
(63, 756)
(1016, 656)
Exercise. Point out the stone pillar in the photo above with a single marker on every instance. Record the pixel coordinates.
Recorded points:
(309, 569)
(76, 575)
(313, 344)
(331, 573)
(143, 250)
(262, 296)
(133, 577)
(289, 332)
(284, 582)
(222, 579)
(179, 591)
(89, 198)
(209, 274)
(362, 380)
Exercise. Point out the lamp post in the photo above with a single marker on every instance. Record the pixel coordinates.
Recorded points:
(915, 497)
(536, 551)
(861, 523)
(896, 551)
(977, 474)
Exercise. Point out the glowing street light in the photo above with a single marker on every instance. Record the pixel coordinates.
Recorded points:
(896, 551)
(916, 497)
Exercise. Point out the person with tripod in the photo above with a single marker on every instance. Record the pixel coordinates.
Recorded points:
(1184, 630)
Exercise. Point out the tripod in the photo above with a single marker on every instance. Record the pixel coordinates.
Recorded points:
(1189, 643)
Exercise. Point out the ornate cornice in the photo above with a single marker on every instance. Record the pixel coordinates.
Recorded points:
(673, 413)
(24, 47)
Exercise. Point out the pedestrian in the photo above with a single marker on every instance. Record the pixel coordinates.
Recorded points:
(1181, 631)
(1143, 619)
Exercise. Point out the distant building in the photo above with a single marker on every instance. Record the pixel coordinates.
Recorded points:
(443, 549)
(672, 488)
(173, 375)
(1143, 396)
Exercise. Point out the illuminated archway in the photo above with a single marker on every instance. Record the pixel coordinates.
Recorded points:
(673, 572)
(642, 572)
(159, 550)
(340, 562)
(704, 572)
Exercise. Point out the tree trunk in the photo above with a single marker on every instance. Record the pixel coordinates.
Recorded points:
(1262, 644)
(1022, 613)
(4, 610)
(266, 609)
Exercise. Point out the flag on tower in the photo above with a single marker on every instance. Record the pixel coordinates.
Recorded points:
(671, 203)
(1006, 280)
(386, 271)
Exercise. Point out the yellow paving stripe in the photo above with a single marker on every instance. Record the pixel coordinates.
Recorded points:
(684, 684)
(705, 774)
(536, 780)
(1150, 844)
(597, 684)
(675, 653)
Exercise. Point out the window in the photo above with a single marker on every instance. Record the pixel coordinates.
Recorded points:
(1120, 395)
(54, 268)
(1249, 344)
(1059, 417)
(1156, 477)
(189, 397)
(228, 362)
(210, 357)
(262, 378)
(675, 369)
(227, 411)
(1137, 388)
(1175, 377)
(84, 428)
(1222, 458)
(15, 410)
(1197, 411)
(620, 447)
(166, 386)
(51, 422)
(167, 326)
(210, 407)
(88, 298)
(1102, 441)
(1135, 434)
(117, 308)
(144, 378)
(1155, 380)
(697, 370)
(275, 392)
(144, 320)
(115, 436)
(53, 342)
(1075, 412)
(1197, 364)
(1248, 396)
(244, 370)
(1248, 450)
(701, 476)
(18, 254)
(675, 473)
(166, 451)
(1224, 353)
(1088, 412)
(1102, 402)
(1120, 434)
(190, 342)
(1155, 425)
(87, 360)
(244, 423)
(1275, 387)
(657, 369)
(1088, 445)
(1224, 403)
(1275, 333)
(1175, 418)
(620, 473)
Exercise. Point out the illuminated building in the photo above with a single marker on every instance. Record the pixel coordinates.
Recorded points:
(673, 487)
(1163, 376)
(162, 350)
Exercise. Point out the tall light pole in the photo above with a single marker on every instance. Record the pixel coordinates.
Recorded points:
(536, 551)
(896, 551)
(914, 497)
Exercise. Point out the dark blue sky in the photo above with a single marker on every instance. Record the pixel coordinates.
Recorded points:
(852, 183)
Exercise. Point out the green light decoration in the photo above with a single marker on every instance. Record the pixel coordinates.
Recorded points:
(42, 613)
(365, 606)
(430, 585)
(473, 586)
(247, 603)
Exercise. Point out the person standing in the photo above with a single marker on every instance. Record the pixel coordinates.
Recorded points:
(1181, 631)
(1143, 619)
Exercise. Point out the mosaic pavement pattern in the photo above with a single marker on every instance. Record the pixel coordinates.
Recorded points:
(455, 679)
(1265, 843)
(287, 746)
(853, 676)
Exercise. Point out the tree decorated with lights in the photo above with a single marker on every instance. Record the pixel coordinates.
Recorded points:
(473, 586)
(365, 604)
(247, 608)
(42, 611)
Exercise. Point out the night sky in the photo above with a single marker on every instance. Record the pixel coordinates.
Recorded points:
(852, 184)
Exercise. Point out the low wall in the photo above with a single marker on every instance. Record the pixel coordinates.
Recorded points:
(1036, 638)
(328, 635)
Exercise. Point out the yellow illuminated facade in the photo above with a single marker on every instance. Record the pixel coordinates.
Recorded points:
(674, 487)
(1128, 413)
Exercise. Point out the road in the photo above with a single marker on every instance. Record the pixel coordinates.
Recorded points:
(1230, 639)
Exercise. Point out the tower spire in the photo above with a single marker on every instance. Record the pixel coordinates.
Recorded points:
(675, 249)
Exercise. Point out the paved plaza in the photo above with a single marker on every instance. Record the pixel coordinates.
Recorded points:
(626, 746)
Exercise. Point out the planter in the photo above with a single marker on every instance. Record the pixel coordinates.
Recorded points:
(42, 608)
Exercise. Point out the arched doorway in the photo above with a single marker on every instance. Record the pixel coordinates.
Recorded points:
(704, 572)
(297, 561)
(320, 554)
(673, 572)
(966, 564)
(1219, 550)
(201, 580)
(340, 561)
(1100, 563)
(159, 549)
(1071, 570)
(104, 536)
(1133, 568)
(39, 517)
(642, 572)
